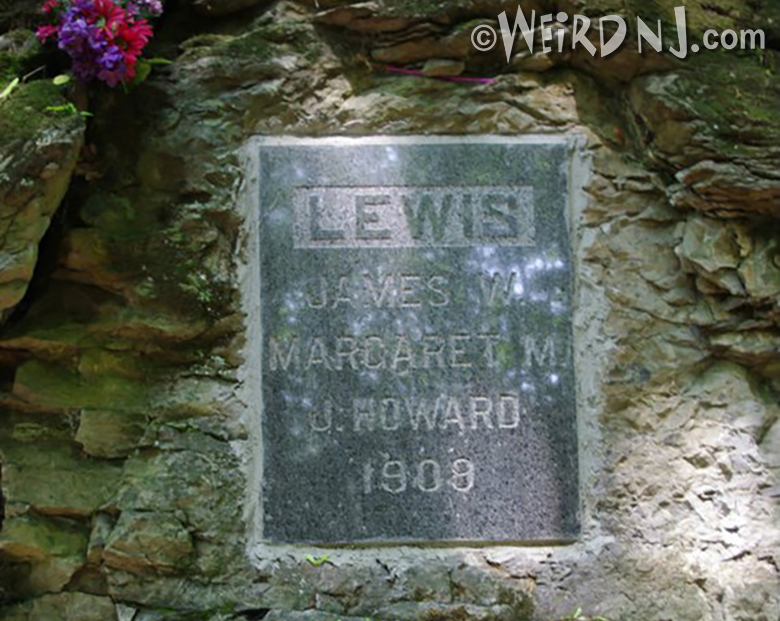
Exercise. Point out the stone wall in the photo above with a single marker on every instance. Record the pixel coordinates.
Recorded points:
(128, 432)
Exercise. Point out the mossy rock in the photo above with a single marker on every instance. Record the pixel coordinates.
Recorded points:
(260, 44)
(19, 51)
(718, 106)
(54, 387)
(63, 607)
(755, 88)
(56, 479)
(701, 15)
(33, 538)
(429, 8)
(24, 113)
(734, 94)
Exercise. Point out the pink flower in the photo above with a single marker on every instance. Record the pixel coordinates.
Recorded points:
(109, 15)
(46, 32)
(50, 5)
(104, 38)
(132, 39)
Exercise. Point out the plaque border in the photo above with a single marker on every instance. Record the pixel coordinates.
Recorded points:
(579, 173)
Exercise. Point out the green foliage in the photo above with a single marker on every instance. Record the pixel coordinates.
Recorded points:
(60, 80)
(6, 93)
(142, 72)
(316, 562)
(732, 91)
(767, 60)
(68, 108)
(144, 69)
(24, 114)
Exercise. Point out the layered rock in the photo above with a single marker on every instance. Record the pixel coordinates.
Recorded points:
(40, 153)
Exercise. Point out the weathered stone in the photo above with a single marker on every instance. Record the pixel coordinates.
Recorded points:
(734, 398)
(443, 68)
(710, 245)
(110, 434)
(38, 153)
(624, 65)
(142, 542)
(53, 479)
(457, 46)
(310, 615)
(430, 582)
(430, 611)
(63, 607)
(223, 7)
(472, 584)
(125, 613)
(771, 446)
(726, 187)
(101, 529)
(55, 550)
(184, 467)
(536, 63)
(760, 268)
(711, 249)
(722, 151)
(12, 292)
(755, 346)
(360, 16)
(54, 387)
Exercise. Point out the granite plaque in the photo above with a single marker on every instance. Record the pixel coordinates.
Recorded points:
(416, 311)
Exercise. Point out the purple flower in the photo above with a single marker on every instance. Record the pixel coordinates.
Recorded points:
(82, 41)
(104, 38)
(112, 66)
(87, 43)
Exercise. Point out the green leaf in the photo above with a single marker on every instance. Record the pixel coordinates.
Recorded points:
(61, 80)
(68, 108)
(142, 71)
(9, 89)
(316, 562)
(158, 61)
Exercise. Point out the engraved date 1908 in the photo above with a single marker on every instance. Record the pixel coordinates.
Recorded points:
(396, 476)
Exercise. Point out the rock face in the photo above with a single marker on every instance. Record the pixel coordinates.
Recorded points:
(40, 151)
(128, 438)
(223, 7)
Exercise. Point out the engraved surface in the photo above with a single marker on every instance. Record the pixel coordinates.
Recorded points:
(416, 320)
(404, 217)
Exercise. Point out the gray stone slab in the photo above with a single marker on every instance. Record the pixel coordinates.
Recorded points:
(416, 309)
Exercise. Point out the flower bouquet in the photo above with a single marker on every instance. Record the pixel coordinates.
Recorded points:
(104, 38)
